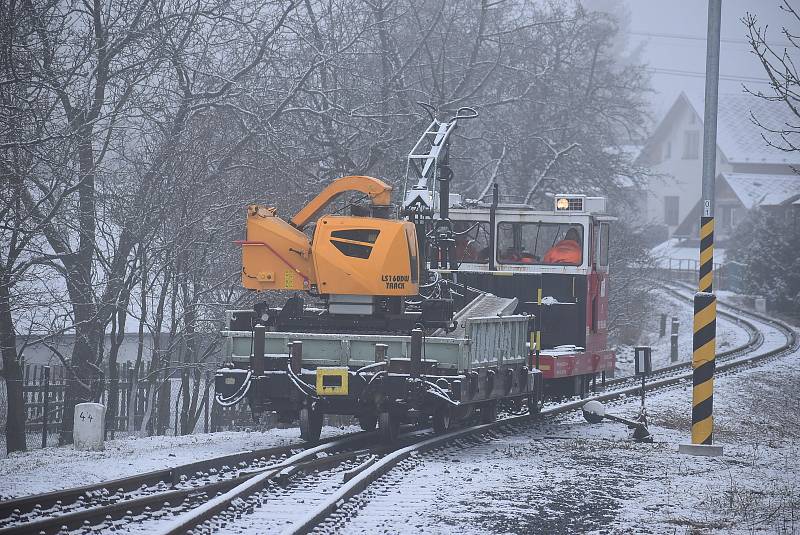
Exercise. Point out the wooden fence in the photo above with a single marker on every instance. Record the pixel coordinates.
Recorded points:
(40, 382)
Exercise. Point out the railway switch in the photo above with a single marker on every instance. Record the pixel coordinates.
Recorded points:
(594, 412)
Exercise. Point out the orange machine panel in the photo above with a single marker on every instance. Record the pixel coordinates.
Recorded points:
(275, 255)
(366, 256)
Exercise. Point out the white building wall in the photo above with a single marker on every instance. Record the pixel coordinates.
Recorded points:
(677, 175)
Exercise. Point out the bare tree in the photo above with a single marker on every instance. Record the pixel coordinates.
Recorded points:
(105, 68)
(148, 126)
(779, 65)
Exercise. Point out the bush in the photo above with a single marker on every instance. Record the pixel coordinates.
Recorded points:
(764, 250)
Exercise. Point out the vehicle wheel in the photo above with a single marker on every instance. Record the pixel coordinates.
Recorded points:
(388, 426)
(489, 412)
(441, 420)
(368, 422)
(534, 405)
(582, 383)
(310, 424)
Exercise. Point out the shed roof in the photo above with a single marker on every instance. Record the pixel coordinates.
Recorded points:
(764, 190)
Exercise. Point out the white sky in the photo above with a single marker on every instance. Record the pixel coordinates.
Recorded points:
(673, 33)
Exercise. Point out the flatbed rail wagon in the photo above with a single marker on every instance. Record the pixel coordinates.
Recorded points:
(383, 379)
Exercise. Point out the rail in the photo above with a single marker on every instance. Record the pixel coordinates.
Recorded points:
(372, 464)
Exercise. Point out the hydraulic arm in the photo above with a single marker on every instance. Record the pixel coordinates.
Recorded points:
(378, 191)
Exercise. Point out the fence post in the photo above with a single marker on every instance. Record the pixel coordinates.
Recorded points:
(38, 392)
(26, 395)
(207, 401)
(662, 330)
(115, 406)
(177, 408)
(45, 405)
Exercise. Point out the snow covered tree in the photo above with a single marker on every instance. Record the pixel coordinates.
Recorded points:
(765, 247)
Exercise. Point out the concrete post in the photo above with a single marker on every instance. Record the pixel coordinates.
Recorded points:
(89, 428)
(673, 348)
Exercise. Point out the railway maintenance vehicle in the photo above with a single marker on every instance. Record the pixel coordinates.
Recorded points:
(431, 311)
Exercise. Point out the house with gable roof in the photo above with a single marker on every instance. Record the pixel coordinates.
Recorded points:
(750, 171)
(736, 194)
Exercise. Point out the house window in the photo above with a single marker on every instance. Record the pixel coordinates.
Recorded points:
(728, 216)
(671, 210)
(691, 144)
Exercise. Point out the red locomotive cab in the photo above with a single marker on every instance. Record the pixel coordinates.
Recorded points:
(556, 265)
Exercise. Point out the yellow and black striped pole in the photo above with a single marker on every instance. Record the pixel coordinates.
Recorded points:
(703, 363)
(705, 303)
(706, 254)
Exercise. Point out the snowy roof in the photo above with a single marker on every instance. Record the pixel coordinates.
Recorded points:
(685, 254)
(738, 138)
(764, 190)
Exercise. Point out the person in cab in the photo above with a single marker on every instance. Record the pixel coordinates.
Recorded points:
(567, 251)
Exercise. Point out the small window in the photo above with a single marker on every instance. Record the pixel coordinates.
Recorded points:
(472, 242)
(728, 216)
(353, 250)
(367, 235)
(604, 236)
(691, 144)
(671, 210)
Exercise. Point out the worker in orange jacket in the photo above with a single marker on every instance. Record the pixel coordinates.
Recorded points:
(567, 251)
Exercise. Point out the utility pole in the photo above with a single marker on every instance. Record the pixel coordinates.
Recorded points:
(705, 304)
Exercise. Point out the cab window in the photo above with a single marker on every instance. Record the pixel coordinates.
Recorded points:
(472, 242)
(540, 243)
(604, 237)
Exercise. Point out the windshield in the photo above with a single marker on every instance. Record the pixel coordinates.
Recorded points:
(540, 243)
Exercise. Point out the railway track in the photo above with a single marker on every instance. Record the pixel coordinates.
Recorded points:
(169, 488)
(294, 489)
(755, 339)
(764, 343)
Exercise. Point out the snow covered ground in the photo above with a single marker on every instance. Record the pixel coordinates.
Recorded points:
(729, 335)
(564, 476)
(55, 468)
(570, 476)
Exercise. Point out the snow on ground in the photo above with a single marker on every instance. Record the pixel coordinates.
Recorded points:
(570, 476)
(729, 335)
(55, 468)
